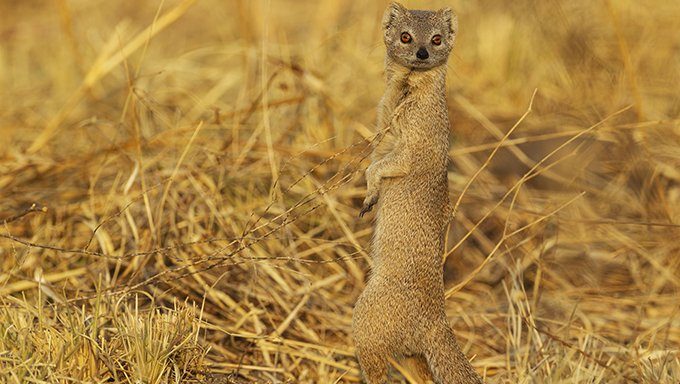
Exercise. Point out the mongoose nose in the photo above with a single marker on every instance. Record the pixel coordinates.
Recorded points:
(422, 53)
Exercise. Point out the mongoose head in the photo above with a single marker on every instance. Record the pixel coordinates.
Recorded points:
(419, 40)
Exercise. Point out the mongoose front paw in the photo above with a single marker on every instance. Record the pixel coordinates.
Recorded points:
(369, 202)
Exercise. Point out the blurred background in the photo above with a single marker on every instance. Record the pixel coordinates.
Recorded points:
(180, 182)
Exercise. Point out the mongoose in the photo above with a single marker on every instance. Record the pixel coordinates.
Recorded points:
(401, 311)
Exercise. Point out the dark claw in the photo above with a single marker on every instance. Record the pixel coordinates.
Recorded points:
(368, 206)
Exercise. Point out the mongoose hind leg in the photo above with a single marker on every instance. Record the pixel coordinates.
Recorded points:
(374, 365)
(376, 337)
(446, 360)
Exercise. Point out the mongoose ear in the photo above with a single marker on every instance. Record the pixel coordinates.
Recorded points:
(450, 19)
(393, 11)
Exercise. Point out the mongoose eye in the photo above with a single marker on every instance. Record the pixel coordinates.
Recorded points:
(436, 39)
(406, 37)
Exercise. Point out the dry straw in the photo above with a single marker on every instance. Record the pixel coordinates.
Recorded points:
(180, 183)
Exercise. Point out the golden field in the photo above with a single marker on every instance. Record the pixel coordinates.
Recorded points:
(180, 183)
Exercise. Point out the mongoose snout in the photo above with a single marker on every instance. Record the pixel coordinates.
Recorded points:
(422, 53)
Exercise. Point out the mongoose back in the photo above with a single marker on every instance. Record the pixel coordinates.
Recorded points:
(401, 311)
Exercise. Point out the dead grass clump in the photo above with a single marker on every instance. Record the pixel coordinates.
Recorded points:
(210, 153)
(110, 341)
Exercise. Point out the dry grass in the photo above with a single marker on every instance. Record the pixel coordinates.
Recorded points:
(201, 165)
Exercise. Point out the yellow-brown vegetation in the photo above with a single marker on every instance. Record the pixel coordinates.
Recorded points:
(196, 168)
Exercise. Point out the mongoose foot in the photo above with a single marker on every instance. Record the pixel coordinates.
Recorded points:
(369, 202)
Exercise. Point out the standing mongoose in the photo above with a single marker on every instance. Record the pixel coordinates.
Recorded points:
(401, 311)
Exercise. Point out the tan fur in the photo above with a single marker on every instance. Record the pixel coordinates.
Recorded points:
(401, 311)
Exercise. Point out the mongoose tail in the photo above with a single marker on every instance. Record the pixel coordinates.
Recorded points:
(447, 362)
